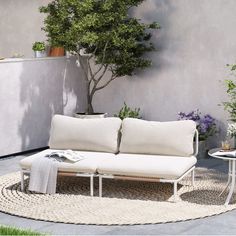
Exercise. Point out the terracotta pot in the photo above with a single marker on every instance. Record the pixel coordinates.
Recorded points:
(57, 52)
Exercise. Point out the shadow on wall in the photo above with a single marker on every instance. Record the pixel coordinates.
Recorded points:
(48, 87)
(157, 11)
(140, 85)
(74, 99)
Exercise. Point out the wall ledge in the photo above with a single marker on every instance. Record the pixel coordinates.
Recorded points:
(15, 60)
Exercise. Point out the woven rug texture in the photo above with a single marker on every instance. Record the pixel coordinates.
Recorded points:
(123, 202)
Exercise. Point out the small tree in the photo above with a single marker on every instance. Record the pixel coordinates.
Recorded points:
(105, 33)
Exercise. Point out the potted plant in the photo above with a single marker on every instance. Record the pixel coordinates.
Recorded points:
(57, 51)
(206, 126)
(108, 43)
(39, 49)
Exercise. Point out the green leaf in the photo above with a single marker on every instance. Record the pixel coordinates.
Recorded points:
(126, 112)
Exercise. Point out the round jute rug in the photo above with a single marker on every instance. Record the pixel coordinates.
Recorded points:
(124, 202)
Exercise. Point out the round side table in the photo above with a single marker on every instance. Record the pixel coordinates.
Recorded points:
(231, 172)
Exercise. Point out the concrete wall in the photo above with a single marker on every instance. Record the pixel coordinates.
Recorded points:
(195, 43)
(197, 40)
(31, 91)
(20, 26)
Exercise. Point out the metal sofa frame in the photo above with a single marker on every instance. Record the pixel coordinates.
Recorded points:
(173, 181)
(26, 172)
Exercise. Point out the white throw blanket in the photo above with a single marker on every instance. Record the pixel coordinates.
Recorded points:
(43, 173)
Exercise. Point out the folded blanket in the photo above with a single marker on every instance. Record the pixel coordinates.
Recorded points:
(43, 173)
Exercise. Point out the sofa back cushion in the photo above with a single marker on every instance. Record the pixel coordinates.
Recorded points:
(99, 134)
(161, 138)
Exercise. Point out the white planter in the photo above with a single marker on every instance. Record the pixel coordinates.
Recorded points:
(93, 116)
(38, 54)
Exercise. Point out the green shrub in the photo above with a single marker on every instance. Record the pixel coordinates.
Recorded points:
(6, 230)
(126, 112)
(39, 46)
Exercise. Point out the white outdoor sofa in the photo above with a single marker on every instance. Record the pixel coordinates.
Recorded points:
(131, 149)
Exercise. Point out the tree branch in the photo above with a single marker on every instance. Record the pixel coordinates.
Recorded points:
(88, 64)
(94, 89)
(90, 70)
(101, 76)
(92, 75)
(113, 77)
(100, 68)
(104, 52)
(103, 58)
(95, 50)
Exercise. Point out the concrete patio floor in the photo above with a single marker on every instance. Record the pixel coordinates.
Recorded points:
(221, 224)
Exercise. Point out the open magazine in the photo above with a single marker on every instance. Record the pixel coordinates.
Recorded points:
(66, 155)
(225, 153)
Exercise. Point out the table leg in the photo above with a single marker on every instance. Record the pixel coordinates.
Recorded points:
(229, 178)
(232, 183)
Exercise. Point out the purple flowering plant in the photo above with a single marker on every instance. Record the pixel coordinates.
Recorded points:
(206, 125)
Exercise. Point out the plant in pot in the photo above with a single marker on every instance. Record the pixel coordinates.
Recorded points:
(107, 41)
(56, 51)
(206, 126)
(39, 49)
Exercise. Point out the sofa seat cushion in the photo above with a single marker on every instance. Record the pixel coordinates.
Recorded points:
(87, 165)
(96, 135)
(166, 167)
(174, 138)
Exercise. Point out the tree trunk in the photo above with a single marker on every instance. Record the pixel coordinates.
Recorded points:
(89, 109)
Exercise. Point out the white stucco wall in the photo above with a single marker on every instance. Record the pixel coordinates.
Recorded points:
(31, 91)
(20, 26)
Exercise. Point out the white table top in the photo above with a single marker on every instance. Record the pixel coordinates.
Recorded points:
(210, 153)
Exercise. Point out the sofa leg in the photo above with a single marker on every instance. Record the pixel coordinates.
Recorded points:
(193, 177)
(175, 191)
(22, 185)
(91, 185)
(100, 186)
